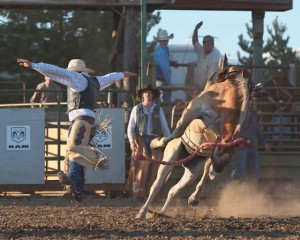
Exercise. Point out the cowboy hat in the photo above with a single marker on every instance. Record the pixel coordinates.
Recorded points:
(148, 87)
(163, 35)
(78, 65)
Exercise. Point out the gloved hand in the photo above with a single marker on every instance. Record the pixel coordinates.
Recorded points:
(174, 64)
(198, 25)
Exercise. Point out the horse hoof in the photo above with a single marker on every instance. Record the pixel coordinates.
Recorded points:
(157, 143)
(212, 173)
(140, 216)
(194, 202)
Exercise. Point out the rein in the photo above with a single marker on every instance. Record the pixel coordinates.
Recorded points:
(240, 141)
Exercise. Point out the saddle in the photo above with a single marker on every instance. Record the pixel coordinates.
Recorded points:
(196, 134)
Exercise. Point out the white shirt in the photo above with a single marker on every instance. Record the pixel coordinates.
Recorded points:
(149, 128)
(76, 82)
(206, 65)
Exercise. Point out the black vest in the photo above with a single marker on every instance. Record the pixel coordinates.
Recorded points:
(142, 120)
(85, 99)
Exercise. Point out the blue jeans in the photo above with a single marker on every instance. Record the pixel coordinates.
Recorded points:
(76, 173)
(147, 141)
(246, 161)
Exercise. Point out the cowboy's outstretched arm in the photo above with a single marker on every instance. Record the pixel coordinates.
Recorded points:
(24, 62)
(129, 74)
(110, 78)
(68, 78)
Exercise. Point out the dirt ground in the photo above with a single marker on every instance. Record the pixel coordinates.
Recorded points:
(98, 217)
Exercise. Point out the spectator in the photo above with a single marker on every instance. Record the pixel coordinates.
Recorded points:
(82, 96)
(247, 159)
(208, 59)
(282, 127)
(147, 121)
(46, 96)
(163, 64)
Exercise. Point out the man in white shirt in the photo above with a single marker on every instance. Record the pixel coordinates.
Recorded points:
(208, 59)
(147, 121)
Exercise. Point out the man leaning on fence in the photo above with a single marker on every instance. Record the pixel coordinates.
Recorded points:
(48, 92)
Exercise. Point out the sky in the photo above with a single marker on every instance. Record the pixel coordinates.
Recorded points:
(225, 26)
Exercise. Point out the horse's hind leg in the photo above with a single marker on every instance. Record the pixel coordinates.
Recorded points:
(194, 198)
(170, 153)
(191, 172)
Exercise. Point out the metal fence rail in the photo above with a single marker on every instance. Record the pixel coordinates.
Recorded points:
(56, 128)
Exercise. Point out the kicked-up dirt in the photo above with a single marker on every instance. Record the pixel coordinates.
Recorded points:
(103, 218)
(232, 216)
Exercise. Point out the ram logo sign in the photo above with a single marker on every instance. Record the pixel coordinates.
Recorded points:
(18, 137)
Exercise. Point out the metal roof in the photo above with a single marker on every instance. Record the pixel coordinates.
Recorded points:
(221, 5)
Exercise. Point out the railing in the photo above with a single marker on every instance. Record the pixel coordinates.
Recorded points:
(56, 125)
(285, 145)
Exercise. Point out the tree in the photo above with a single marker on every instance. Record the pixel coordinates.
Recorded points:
(55, 36)
(152, 20)
(246, 46)
(52, 36)
(276, 50)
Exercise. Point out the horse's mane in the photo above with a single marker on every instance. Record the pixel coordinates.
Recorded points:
(243, 95)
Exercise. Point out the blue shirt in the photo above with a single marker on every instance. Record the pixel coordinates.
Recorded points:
(162, 61)
(251, 129)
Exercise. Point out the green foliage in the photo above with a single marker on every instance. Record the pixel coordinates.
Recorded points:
(152, 20)
(54, 36)
(246, 46)
(276, 47)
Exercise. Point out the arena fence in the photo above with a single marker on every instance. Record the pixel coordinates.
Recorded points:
(279, 169)
(55, 134)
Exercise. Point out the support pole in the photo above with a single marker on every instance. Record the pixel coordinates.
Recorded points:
(131, 30)
(143, 42)
(258, 32)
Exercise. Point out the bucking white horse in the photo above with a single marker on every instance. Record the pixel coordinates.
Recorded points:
(205, 136)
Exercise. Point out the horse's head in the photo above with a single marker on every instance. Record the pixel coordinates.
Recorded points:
(233, 93)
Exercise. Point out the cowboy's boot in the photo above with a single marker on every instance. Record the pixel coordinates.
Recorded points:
(67, 185)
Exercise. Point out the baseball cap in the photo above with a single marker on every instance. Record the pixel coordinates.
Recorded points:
(208, 38)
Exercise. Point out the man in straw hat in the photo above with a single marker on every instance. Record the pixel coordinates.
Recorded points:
(82, 97)
(208, 59)
(163, 64)
(147, 121)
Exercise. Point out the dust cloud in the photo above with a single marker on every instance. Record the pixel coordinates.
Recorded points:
(241, 199)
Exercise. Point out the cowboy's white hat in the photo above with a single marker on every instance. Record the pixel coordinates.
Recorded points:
(78, 65)
(163, 35)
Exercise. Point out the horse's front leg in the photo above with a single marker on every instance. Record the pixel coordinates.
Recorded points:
(170, 154)
(191, 171)
(162, 173)
(193, 200)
